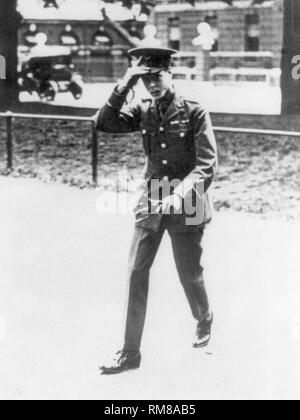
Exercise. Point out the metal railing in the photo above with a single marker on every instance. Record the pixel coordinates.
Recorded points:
(259, 132)
(10, 116)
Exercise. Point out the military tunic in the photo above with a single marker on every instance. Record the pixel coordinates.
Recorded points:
(179, 145)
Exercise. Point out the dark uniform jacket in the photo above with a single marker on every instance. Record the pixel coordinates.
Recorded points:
(181, 145)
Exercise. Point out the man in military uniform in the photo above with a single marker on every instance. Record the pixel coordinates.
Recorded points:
(180, 145)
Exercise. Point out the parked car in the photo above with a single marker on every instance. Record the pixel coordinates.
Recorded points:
(48, 71)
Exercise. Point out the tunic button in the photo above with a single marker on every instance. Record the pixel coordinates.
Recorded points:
(161, 129)
(163, 146)
(165, 162)
(182, 135)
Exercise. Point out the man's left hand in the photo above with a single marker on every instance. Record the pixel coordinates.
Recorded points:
(171, 204)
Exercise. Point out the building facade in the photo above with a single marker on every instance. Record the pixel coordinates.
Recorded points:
(249, 27)
(99, 42)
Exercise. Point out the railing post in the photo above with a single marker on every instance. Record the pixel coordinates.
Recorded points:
(9, 141)
(95, 153)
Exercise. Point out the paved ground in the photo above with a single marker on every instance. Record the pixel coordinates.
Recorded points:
(256, 98)
(62, 294)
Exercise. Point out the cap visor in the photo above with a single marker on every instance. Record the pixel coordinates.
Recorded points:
(145, 52)
(155, 70)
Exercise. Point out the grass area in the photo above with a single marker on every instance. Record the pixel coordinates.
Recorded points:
(257, 174)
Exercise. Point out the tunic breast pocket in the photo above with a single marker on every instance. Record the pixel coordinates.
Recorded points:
(179, 129)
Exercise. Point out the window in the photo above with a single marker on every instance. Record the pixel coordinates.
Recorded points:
(69, 38)
(135, 33)
(252, 33)
(102, 39)
(29, 36)
(213, 23)
(174, 33)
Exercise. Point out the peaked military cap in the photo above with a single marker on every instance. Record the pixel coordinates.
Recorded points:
(156, 58)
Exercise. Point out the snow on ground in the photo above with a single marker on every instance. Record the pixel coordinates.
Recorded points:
(62, 294)
(256, 98)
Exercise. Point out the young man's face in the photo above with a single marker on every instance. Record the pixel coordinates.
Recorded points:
(158, 84)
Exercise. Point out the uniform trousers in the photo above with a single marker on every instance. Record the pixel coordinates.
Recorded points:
(187, 250)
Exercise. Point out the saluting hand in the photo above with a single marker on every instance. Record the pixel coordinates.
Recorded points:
(132, 75)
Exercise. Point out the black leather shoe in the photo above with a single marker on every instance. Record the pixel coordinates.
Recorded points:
(203, 333)
(123, 361)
